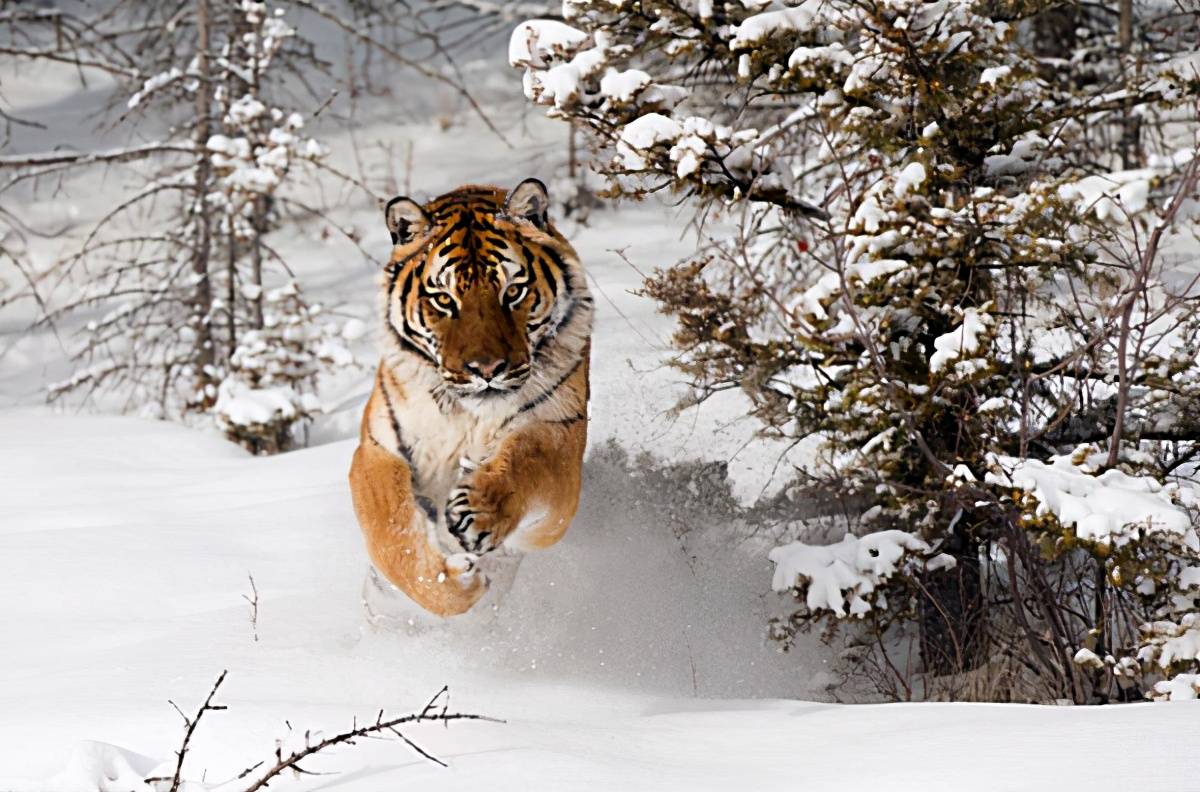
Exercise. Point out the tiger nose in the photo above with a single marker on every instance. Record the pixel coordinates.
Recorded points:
(486, 368)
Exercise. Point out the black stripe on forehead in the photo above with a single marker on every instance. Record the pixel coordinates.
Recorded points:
(469, 243)
(489, 197)
(479, 211)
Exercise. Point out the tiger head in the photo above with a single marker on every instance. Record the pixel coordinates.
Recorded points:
(479, 285)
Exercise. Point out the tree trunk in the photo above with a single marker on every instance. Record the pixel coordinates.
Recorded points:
(203, 352)
(951, 612)
(1131, 125)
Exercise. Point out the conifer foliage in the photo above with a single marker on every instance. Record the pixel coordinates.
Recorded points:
(962, 275)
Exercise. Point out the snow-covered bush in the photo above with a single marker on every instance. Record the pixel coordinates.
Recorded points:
(269, 389)
(958, 235)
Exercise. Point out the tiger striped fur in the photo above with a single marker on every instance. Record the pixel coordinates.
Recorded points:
(474, 434)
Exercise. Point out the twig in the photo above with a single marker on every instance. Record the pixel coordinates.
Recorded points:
(253, 607)
(436, 710)
(430, 713)
(207, 706)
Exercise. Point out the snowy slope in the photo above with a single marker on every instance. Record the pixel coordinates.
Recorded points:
(124, 552)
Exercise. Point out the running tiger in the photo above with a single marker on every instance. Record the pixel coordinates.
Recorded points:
(474, 434)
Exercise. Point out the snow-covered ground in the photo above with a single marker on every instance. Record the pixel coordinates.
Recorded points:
(622, 658)
(125, 551)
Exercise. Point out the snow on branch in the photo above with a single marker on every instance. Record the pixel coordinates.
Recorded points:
(845, 576)
(1112, 508)
(961, 342)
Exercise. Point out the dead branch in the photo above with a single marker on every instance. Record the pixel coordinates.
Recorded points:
(437, 710)
(1187, 186)
(395, 55)
(191, 724)
(253, 607)
(429, 714)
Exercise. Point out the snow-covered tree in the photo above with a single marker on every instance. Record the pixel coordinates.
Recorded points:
(175, 281)
(955, 275)
(185, 300)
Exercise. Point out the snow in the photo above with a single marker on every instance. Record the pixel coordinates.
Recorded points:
(153, 84)
(911, 177)
(1111, 196)
(650, 129)
(834, 53)
(993, 404)
(759, 27)
(626, 657)
(623, 85)
(124, 556)
(353, 329)
(837, 577)
(994, 74)
(245, 109)
(241, 404)
(93, 766)
(1181, 687)
(959, 342)
(867, 271)
(868, 216)
(643, 133)
(531, 41)
(1110, 509)
(1170, 642)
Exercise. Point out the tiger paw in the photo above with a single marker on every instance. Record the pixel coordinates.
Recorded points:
(463, 568)
(476, 516)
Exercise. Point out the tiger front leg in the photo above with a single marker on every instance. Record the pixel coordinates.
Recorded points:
(524, 496)
(398, 536)
(482, 510)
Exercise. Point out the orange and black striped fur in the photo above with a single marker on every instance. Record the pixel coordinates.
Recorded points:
(472, 441)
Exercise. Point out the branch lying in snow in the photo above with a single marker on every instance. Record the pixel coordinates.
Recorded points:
(292, 760)
(437, 709)
(191, 724)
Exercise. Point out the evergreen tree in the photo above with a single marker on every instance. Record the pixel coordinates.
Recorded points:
(955, 274)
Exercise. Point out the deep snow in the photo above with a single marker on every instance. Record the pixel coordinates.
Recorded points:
(124, 554)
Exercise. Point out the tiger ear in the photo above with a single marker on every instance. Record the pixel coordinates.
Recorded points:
(405, 218)
(529, 200)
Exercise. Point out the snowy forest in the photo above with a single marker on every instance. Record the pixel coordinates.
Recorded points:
(884, 328)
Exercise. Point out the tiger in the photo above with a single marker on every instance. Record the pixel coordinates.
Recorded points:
(472, 440)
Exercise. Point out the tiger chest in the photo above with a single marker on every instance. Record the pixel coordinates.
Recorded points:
(444, 446)
(437, 445)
